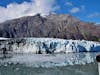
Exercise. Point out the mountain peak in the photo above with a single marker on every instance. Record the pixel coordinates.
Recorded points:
(62, 26)
(62, 17)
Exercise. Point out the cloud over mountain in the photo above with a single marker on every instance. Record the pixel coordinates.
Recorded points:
(14, 10)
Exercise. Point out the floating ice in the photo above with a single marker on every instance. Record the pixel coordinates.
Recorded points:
(49, 60)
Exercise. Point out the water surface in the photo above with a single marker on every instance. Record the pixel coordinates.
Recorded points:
(56, 64)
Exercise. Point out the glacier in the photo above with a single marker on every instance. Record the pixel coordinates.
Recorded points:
(47, 52)
(47, 46)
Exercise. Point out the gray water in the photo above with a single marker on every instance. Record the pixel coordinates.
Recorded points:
(88, 69)
(76, 69)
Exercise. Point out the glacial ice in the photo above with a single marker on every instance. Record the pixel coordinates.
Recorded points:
(48, 45)
(48, 52)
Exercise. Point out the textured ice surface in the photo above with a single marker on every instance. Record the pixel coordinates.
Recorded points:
(50, 60)
(48, 45)
(47, 52)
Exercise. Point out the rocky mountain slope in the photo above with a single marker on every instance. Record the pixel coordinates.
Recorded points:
(55, 26)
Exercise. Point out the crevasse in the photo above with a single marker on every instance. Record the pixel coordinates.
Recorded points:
(47, 45)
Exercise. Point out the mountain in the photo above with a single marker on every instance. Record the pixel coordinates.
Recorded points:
(62, 26)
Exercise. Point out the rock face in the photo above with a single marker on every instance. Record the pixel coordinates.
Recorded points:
(54, 26)
(47, 46)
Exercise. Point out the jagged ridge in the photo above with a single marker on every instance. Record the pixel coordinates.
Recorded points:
(54, 26)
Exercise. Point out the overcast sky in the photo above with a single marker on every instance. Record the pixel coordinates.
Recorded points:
(86, 10)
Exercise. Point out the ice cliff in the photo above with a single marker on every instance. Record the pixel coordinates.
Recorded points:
(47, 52)
(47, 46)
